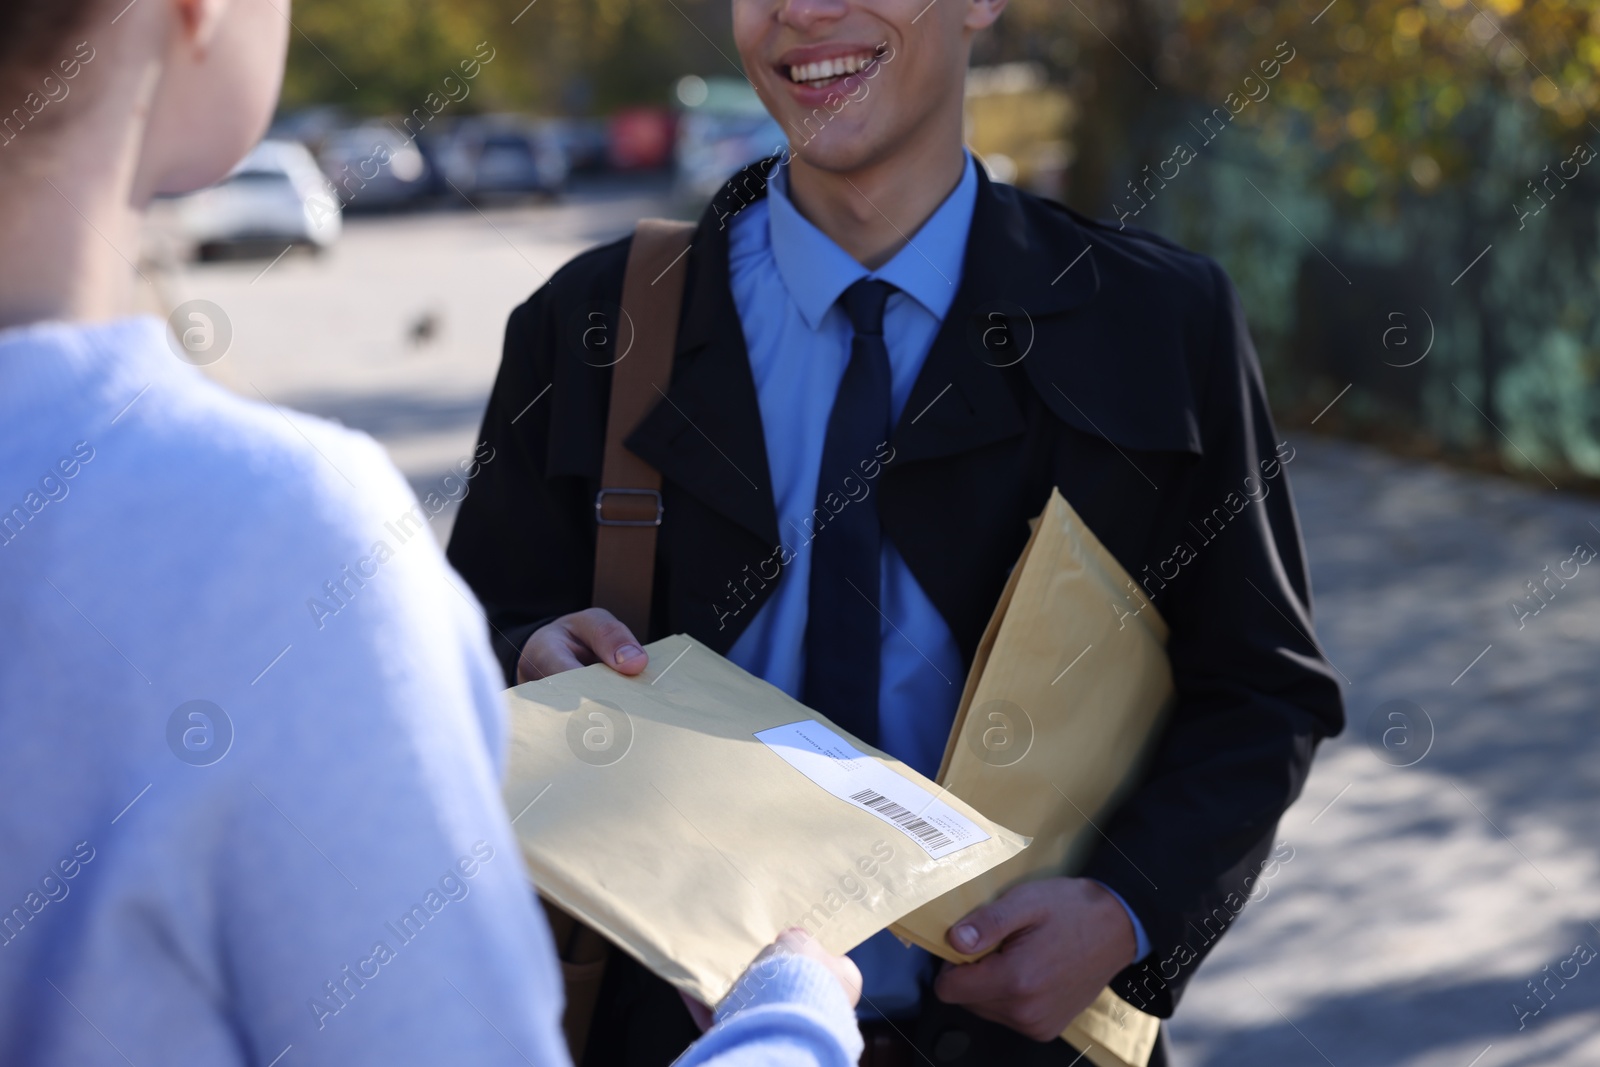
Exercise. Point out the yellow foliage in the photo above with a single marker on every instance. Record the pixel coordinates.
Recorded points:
(1409, 22)
(1025, 127)
(1380, 84)
(1361, 122)
(1544, 92)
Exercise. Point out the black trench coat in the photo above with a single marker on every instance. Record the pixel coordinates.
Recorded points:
(1108, 363)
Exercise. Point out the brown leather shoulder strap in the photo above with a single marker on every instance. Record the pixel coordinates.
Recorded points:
(628, 506)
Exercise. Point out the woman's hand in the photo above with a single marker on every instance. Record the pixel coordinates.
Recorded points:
(792, 942)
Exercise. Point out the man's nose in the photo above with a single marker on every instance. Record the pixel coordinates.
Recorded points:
(808, 15)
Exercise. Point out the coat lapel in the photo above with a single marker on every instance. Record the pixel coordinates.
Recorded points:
(961, 400)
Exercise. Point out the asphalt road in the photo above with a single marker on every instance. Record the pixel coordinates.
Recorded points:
(1439, 862)
(396, 330)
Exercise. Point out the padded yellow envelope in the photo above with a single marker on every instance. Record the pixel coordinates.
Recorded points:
(692, 813)
(1066, 697)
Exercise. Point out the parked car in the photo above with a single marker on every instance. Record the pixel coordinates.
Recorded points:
(275, 196)
(586, 143)
(376, 167)
(641, 138)
(311, 126)
(502, 157)
(723, 128)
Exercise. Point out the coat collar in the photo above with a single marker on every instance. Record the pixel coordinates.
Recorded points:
(706, 433)
(1005, 261)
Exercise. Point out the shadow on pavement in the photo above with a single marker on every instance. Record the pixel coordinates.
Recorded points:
(1400, 1023)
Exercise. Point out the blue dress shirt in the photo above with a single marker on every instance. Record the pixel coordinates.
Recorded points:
(787, 277)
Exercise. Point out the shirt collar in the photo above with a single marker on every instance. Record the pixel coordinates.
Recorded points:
(816, 271)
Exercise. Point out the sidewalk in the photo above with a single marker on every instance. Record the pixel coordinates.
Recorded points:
(1421, 899)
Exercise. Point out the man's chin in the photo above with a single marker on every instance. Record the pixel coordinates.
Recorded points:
(840, 155)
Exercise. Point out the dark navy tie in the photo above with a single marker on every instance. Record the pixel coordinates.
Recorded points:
(842, 628)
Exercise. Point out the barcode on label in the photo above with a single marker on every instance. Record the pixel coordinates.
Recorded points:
(868, 784)
(903, 817)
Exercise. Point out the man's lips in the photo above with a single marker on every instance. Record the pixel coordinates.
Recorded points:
(818, 67)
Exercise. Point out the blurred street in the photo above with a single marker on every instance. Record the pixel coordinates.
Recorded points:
(396, 329)
(1441, 861)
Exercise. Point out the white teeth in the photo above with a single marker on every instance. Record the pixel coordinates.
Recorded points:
(829, 68)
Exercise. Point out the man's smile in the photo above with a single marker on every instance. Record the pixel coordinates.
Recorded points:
(822, 66)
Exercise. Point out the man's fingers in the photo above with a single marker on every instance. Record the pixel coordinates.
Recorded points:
(611, 642)
(995, 1011)
(1026, 1020)
(1048, 948)
(543, 656)
(987, 981)
(984, 928)
(577, 640)
(1002, 989)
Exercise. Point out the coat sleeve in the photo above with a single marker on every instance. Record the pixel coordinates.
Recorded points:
(524, 537)
(1255, 694)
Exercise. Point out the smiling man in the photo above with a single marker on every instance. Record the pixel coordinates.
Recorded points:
(885, 364)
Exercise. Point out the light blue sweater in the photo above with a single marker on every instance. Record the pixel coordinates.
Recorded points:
(250, 738)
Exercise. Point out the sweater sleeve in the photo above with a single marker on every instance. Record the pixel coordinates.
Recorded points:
(785, 1012)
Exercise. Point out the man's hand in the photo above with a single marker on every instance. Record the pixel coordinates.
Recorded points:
(1060, 941)
(577, 640)
(792, 942)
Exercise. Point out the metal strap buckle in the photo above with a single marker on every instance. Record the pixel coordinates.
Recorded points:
(599, 504)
